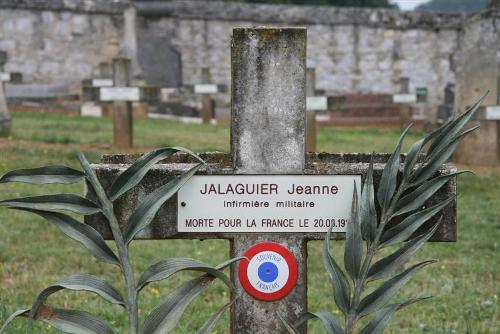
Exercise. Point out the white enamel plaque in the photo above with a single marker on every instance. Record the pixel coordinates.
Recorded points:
(205, 89)
(266, 203)
(5, 76)
(492, 113)
(120, 94)
(102, 82)
(316, 103)
(404, 98)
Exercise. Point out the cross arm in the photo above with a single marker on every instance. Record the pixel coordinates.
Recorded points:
(164, 225)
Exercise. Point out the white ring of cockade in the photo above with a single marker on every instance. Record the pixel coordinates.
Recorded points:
(253, 269)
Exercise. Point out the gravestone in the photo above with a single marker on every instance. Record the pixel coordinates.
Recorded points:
(206, 89)
(405, 100)
(313, 104)
(478, 71)
(122, 94)
(160, 62)
(89, 106)
(5, 118)
(123, 129)
(445, 110)
(268, 142)
(13, 77)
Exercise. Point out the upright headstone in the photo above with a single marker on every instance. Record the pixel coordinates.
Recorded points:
(206, 89)
(5, 117)
(478, 71)
(122, 110)
(404, 99)
(445, 110)
(268, 94)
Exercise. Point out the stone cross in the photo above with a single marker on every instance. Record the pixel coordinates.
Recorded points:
(14, 77)
(445, 110)
(90, 90)
(404, 99)
(206, 89)
(5, 118)
(123, 129)
(268, 137)
(313, 103)
(121, 93)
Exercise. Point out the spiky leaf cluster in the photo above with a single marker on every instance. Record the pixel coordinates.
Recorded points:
(163, 318)
(419, 180)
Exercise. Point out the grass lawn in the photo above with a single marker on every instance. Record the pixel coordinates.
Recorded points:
(33, 254)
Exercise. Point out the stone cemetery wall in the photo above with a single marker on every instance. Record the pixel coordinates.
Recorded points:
(59, 42)
(353, 50)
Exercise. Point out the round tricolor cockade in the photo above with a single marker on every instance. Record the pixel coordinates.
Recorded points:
(270, 273)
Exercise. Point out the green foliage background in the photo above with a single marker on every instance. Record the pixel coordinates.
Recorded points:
(453, 5)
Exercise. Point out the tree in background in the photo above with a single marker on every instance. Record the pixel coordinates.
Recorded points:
(453, 5)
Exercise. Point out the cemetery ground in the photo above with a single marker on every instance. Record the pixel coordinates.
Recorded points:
(33, 254)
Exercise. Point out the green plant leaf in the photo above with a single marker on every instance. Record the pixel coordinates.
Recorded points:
(68, 202)
(341, 288)
(368, 213)
(81, 282)
(148, 207)
(449, 132)
(436, 160)
(402, 231)
(396, 260)
(67, 321)
(12, 317)
(84, 234)
(77, 322)
(390, 174)
(136, 172)
(331, 324)
(44, 175)
(381, 319)
(209, 325)
(353, 253)
(166, 268)
(291, 329)
(412, 156)
(165, 317)
(420, 195)
(383, 293)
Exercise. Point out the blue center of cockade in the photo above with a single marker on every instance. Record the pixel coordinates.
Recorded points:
(268, 272)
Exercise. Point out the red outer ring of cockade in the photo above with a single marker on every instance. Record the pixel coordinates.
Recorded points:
(292, 270)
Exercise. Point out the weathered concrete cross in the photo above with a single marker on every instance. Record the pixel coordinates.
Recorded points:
(267, 138)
